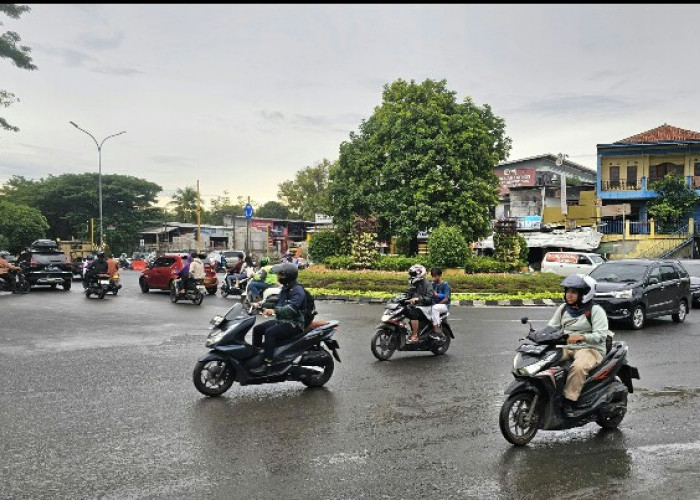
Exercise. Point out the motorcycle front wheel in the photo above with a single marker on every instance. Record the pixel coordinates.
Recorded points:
(383, 345)
(213, 378)
(516, 426)
(25, 286)
(173, 295)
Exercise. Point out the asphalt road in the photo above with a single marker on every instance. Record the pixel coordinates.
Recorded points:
(97, 401)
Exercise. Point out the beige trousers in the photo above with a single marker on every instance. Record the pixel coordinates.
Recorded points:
(584, 360)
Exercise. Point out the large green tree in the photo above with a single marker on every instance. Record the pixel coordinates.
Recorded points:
(422, 158)
(675, 200)
(20, 225)
(307, 194)
(274, 210)
(69, 201)
(19, 55)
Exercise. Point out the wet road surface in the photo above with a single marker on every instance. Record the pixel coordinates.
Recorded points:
(97, 400)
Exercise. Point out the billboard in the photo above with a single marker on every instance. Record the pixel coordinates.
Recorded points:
(513, 177)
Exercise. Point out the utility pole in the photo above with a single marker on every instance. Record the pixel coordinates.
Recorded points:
(247, 232)
(199, 226)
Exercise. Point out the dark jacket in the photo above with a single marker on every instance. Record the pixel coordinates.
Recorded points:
(423, 290)
(99, 266)
(290, 304)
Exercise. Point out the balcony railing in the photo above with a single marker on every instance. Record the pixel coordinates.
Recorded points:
(621, 186)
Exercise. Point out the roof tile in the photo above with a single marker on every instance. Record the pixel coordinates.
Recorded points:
(664, 133)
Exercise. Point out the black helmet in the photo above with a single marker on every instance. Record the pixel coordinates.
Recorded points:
(100, 255)
(286, 272)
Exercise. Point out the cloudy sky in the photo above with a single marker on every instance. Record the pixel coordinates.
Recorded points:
(241, 97)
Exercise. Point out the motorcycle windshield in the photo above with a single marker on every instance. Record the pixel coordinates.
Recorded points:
(234, 312)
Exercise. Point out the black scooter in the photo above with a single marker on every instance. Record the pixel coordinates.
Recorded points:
(231, 359)
(535, 396)
(98, 285)
(394, 331)
(239, 291)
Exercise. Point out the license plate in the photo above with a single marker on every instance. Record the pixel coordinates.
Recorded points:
(201, 288)
(104, 282)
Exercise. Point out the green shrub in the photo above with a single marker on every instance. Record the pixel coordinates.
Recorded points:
(397, 262)
(325, 244)
(402, 245)
(339, 262)
(490, 265)
(447, 246)
(524, 250)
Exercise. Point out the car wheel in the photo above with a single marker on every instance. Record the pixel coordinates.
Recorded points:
(143, 284)
(679, 317)
(67, 285)
(638, 318)
(211, 291)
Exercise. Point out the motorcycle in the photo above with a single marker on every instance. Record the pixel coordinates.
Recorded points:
(21, 283)
(395, 329)
(535, 396)
(227, 290)
(231, 359)
(268, 298)
(99, 286)
(194, 290)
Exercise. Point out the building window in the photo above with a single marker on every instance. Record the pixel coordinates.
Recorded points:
(658, 172)
(631, 177)
(614, 177)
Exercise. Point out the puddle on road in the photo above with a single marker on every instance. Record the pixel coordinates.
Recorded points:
(682, 392)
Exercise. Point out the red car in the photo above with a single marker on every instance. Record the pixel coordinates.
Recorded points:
(164, 270)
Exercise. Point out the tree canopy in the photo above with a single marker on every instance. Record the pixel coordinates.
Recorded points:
(184, 204)
(422, 158)
(274, 210)
(307, 194)
(675, 199)
(69, 201)
(18, 54)
(20, 225)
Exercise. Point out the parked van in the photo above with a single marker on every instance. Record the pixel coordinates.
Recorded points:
(566, 263)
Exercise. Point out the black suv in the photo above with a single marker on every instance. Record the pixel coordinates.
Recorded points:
(636, 289)
(44, 264)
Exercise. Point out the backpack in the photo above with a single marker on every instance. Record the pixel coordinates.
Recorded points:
(309, 309)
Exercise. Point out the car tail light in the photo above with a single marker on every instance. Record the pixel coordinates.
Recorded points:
(33, 262)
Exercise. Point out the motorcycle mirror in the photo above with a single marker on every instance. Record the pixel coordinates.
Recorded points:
(524, 320)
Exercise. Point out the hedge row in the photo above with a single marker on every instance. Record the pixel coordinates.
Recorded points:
(400, 263)
(396, 282)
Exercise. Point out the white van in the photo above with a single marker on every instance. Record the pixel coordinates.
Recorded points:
(566, 263)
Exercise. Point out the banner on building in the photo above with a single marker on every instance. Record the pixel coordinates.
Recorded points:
(515, 177)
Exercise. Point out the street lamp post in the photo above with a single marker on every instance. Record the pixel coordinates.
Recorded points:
(99, 177)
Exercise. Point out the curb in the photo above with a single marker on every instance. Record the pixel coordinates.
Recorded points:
(459, 303)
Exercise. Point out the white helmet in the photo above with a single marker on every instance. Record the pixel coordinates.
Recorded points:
(416, 273)
(583, 283)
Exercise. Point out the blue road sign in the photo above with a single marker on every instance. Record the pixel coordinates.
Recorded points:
(248, 211)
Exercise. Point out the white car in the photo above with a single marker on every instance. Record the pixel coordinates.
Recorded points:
(566, 263)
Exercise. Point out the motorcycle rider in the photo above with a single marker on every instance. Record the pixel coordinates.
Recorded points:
(112, 266)
(233, 272)
(288, 311)
(587, 326)
(7, 273)
(197, 271)
(420, 294)
(184, 274)
(95, 268)
(262, 280)
(441, 298)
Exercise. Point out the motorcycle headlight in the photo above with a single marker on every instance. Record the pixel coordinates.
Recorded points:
(622, 294)
(214, 338)
(536, 367)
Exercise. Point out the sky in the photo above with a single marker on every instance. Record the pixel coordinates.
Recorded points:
(241, 97)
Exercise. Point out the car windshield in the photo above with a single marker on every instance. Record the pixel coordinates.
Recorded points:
(618, 272)
(597, 259)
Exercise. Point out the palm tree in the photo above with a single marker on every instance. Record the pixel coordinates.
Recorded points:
(184, 204)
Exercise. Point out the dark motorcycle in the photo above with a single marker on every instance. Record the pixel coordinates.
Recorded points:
(21, 284)
(98, 286)
(395, 329)
(239, 291)
(232, 359)
(194, 290)
(535, 396)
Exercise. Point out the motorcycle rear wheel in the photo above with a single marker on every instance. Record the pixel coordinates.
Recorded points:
(442, 348)
(383, 345)
(322, 377)
(513, 421)
(197, 300)
(101, 294)
(213, 378)
(613, 420)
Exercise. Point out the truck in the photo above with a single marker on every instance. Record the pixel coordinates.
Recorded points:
(77, 251)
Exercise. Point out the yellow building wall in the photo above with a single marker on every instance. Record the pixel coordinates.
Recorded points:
(643, 162)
